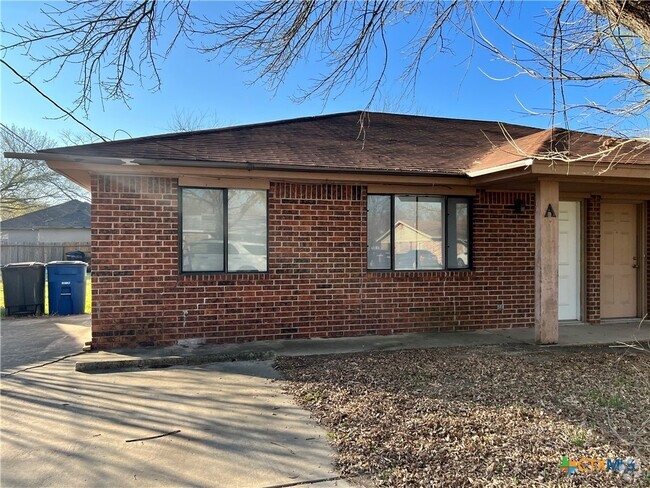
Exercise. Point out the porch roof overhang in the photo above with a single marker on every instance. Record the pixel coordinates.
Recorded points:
(573, 176)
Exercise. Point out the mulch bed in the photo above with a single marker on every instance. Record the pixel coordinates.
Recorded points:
(482, 416)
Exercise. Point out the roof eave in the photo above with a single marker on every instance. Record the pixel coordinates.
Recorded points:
(251, 166)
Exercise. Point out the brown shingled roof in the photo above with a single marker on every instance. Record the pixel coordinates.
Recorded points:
(389, 142)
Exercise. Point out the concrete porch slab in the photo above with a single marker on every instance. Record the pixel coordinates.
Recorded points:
(577, 334)
(570, 335)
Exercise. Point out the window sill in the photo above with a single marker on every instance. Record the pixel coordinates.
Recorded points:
(419, 274)
(417, 271)
(218, 277)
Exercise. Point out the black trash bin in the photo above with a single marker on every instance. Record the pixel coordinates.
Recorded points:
(66, 286)
(75, 256)
(24, 288)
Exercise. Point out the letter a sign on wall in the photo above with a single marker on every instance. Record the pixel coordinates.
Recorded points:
(550, 212)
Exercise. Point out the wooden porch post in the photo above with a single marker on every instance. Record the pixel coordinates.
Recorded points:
(547, 212)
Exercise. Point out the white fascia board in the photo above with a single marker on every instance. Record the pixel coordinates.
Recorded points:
(522, 163)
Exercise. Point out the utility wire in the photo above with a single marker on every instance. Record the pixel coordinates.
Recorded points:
(17, 136)
(67, 112)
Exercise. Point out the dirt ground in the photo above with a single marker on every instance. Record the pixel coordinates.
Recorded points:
(481, 416)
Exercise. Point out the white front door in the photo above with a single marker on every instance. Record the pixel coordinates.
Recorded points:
(569, 262)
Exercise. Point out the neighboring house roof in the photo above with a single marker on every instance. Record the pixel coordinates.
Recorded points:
(400, 228)
(385, 143)
(69, 215)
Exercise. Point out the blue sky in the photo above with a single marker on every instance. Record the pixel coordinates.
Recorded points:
(449, 86)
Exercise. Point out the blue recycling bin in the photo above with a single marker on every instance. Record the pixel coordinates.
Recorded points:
(66, 286)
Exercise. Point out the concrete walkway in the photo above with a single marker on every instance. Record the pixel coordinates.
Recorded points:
(218, 425)
(570, 335)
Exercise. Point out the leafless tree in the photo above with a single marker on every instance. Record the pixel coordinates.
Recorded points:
(183, 120)
(73, 138)
(582, 49)
(27, 185)
(115, 43)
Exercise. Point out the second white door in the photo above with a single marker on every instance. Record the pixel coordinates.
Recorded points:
(569, 262)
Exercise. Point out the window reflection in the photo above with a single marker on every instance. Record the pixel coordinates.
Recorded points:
(203, 223)
(379, 236)
(418, 232)
(427, 232)
(247, 230)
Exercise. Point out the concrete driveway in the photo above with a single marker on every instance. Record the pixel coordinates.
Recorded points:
(228, 424)
(28, 341)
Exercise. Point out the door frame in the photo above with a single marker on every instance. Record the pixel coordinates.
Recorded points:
(642, 251)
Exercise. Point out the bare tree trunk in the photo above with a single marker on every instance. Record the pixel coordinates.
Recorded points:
(631, 14)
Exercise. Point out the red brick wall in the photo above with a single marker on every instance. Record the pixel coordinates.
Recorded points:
(593, 259)
(317, 285)
(135, 259)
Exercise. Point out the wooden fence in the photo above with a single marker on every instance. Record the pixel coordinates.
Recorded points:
(40, 252)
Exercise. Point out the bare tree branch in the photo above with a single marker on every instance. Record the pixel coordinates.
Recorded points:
(27, 185)
(582, 50)
(108, 40)
(583, 44)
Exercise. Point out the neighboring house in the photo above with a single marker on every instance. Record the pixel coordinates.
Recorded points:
(67, 222)
(270, 230)
(412, 248)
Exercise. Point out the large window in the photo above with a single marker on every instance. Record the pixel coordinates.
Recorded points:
(223, 230)
(418, 232)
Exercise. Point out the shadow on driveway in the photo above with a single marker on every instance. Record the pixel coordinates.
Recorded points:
(232, 426)
(28, 341)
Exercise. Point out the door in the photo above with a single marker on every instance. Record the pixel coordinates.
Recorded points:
(569, 262)
(618, 260)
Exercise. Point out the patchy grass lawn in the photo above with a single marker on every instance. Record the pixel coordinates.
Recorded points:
(87, 306)
(484, 416)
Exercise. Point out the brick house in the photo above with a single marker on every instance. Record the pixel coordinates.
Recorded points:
(288, 229)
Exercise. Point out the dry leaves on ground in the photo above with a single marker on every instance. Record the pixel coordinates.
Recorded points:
(483, 416)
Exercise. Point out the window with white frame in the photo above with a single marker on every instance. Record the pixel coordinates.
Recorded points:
(418, 232)
(223, 230)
